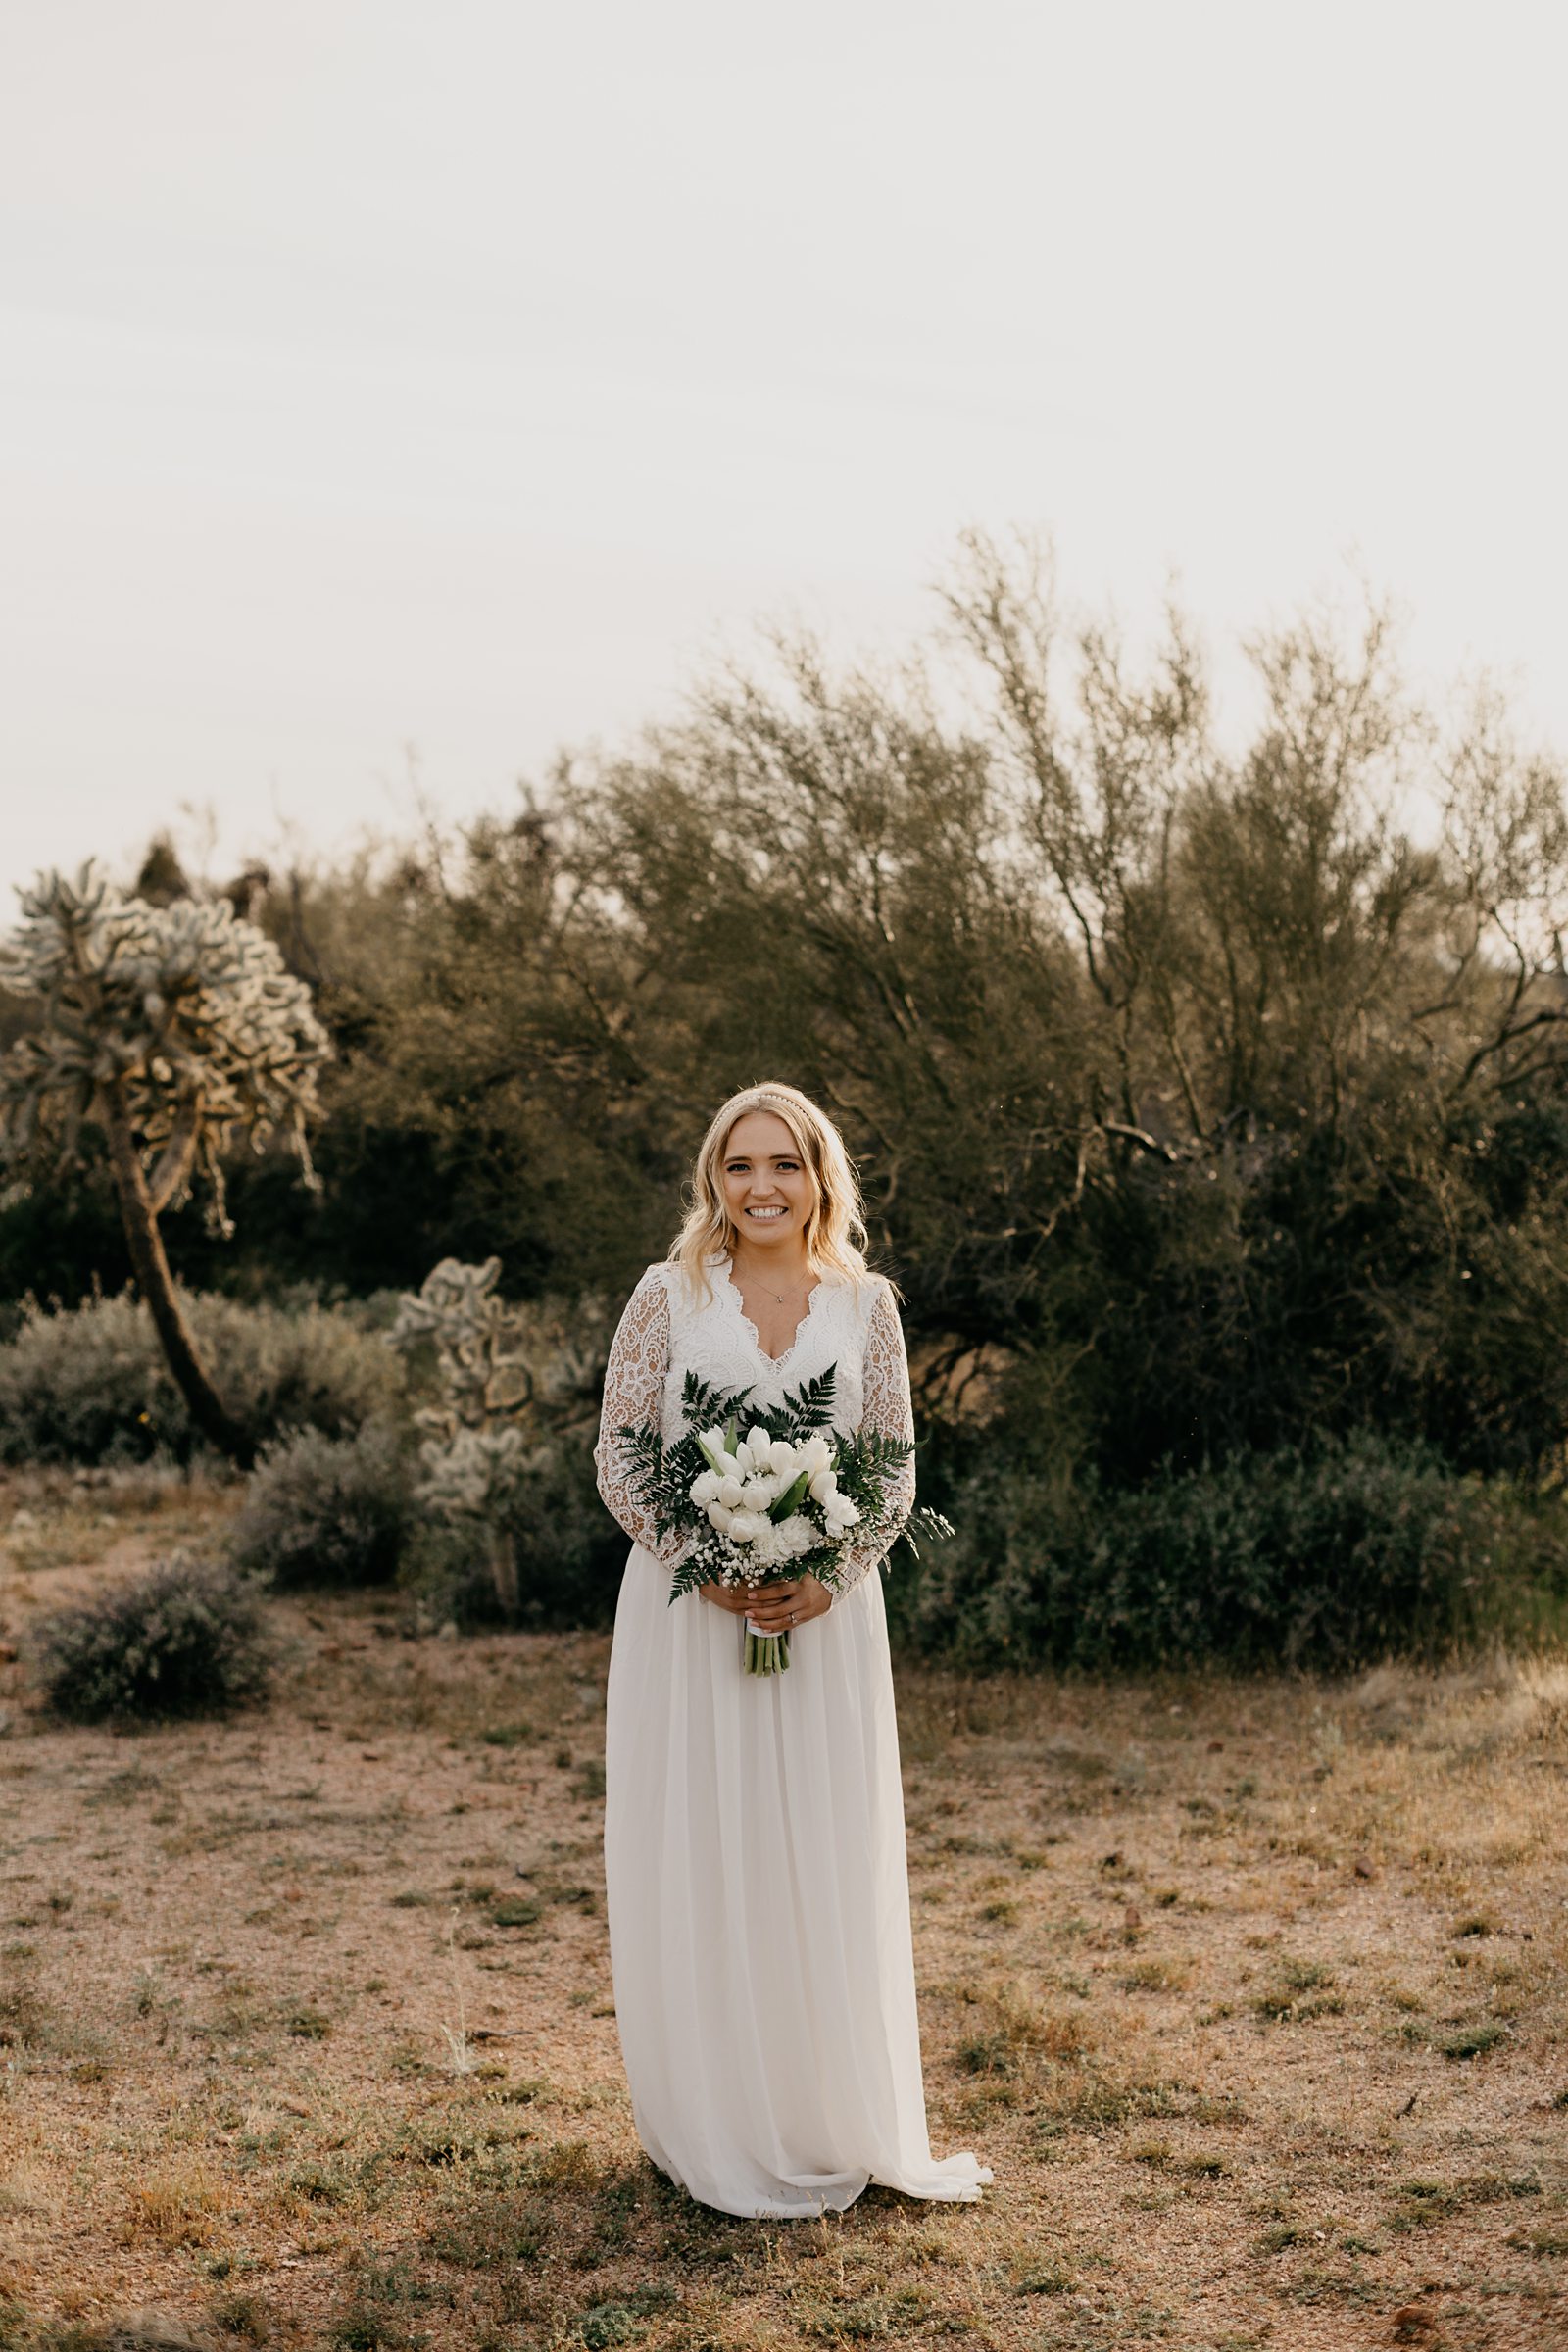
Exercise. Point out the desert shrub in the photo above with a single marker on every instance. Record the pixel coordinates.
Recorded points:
(1323, 1559)
(569, 1551)
(322, 1510)
(566, 1550)
(88, 1384)
(285, 1369)
(189, 1638)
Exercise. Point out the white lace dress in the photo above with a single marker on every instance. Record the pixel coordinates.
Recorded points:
(755, 1858)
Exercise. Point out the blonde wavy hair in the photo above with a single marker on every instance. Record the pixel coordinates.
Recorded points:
(835, 1229)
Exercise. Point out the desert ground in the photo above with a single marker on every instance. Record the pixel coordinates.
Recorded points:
(1252, 1993)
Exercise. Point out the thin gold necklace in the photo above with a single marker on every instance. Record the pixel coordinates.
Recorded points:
(780, 1296)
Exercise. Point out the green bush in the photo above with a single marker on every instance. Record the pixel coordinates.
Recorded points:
(187, 1640)
(1326, 1560)
(90, 1384)
(323, 1510)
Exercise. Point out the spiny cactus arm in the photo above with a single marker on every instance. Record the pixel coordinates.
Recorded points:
(509, 1387)
(445, 1306)
(485, 1374)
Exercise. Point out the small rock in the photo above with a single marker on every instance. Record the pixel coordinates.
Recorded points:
(1365, 1869)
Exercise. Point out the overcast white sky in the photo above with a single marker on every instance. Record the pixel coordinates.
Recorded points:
(450, 372)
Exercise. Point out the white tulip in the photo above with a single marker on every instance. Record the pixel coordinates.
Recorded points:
(823, 1487)
(760, 1444)
(721, 1518)
(817, 1455)
(783, 1458)
(729, 1493)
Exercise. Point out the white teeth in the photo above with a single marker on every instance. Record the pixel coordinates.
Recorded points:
(764, 1212)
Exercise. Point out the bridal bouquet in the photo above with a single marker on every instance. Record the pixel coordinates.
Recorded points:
(769, 1501)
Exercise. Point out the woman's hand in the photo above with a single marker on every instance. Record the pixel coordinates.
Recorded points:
(773, 1608)
(733, 1597)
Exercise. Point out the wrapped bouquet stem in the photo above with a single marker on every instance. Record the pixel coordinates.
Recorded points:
(765, 1494)
(764, 1653)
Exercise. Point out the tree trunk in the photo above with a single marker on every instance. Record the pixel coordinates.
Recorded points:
(156, 1286)
(504, 1571)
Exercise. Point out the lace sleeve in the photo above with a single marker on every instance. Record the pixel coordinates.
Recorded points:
(634, 1393)
(887, 1408)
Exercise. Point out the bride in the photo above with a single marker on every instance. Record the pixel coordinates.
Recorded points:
(754, 1861)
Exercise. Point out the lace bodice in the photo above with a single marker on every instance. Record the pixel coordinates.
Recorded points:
(665, 1334)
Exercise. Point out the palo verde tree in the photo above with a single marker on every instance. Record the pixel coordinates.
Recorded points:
(165, 1036)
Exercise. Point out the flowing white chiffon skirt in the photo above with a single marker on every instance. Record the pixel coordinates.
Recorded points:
(758, 1890)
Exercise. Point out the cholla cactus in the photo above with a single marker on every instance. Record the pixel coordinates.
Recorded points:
(477, 1474)
(512, 1379)
(477, 1455)
(172, 1031)
(184, 1012)
(476, 1338)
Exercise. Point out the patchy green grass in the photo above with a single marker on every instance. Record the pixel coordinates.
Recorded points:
(1253, 1994)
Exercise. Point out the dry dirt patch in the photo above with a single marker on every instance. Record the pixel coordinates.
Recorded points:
(1252, 1996)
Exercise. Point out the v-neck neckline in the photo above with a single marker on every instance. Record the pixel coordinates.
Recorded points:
(752, 1333)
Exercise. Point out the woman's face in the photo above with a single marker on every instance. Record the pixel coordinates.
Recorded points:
(767, 1188)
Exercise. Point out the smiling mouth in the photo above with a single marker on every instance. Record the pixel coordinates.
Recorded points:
(770, 1217)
